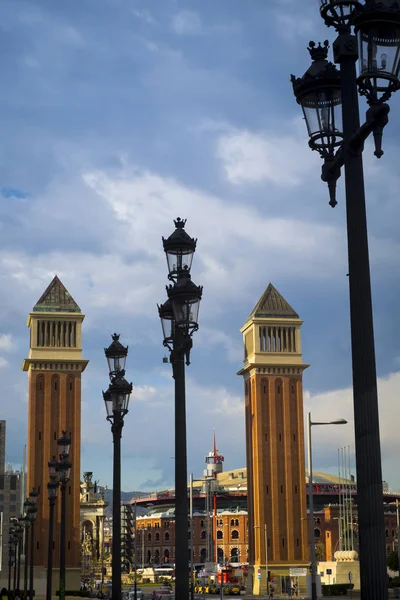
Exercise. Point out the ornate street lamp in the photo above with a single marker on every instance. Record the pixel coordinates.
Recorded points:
(179, 320)
(26, 552)
(116, 400)
(377, 25)
(32, 510)
(20, 537)
(52, 489)
(63, 470)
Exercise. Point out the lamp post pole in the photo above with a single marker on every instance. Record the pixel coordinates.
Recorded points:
(311, 500)
(52, 488)
(32, 510)
(179, 319)
(20, 544)
(26, 543)
(63, 470)
(116, 400)
(329, 99)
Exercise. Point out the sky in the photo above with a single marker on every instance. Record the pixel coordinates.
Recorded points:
(118, 116)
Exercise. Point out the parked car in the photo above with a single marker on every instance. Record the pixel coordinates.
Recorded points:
(234, 589)
(139, 594)
(165, 593)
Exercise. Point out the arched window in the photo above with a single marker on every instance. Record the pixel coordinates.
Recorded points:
(220, 555)
(232, 522)
(202, 523)
(220, 535)
(149, 537)
(235, 555)
(157, 557)
(237, 522)
(203, 555)
(203, 535)
(317, 533)
(235, 534)
(166, 556)
(148, 556)
(387, 532)
(157, 537)
(166, 536)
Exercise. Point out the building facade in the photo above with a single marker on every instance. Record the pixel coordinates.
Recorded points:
(155, 537)
(93, 512)
(54, 366)
(272, 373)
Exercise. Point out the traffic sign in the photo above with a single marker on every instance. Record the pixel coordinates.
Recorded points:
(298, 571)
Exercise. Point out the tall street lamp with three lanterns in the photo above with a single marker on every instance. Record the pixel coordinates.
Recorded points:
(369, 31)
(179, 320)
(116, 399)
(52, 489)
(63, 470)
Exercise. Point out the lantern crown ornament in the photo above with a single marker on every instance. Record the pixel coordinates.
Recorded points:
(339, 13)
(318, 93)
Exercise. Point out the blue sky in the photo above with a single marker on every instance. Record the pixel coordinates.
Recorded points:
(115, 118)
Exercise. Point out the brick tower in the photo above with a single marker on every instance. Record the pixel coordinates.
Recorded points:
(54, 370)
(272, 373)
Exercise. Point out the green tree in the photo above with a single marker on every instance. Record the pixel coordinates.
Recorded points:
(393, 561)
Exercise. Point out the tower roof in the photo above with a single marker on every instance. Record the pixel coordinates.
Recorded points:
(56, 298)
(273, 305)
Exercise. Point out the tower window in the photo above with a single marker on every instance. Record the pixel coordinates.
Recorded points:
(55, 435)
(37, 546)
(295, 489)
(294, 437)
(297, 542)
(69, 545)
(40, 436)
(266, 437)
(267, 490)
(283, 542)
(281, 489)
(280, 437)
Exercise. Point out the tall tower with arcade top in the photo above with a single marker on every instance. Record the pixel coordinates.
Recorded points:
(54, 367)
(272, 373)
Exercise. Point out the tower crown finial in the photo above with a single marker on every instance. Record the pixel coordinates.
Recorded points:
(318, 52)
(180, 223)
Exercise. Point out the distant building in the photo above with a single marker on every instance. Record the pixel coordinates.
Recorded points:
(10, 501)
(92, 517)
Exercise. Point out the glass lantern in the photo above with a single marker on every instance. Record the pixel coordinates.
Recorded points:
(318, 93)
(185, 299)
(179, 249)
(116, 355)
(167, 320)
(378, 31)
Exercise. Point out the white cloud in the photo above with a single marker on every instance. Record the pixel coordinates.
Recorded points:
(6, 342)
(144, 15)
(3, 363)
(249, 157)
(339, 404)
(187, 22)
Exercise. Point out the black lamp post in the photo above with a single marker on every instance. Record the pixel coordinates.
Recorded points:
(20, 535)
(321, 92)
(179, 320)
(63, 470)
(116, 399)
(12, 550)
(52, 489)
(26, 543)
(32, 510)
